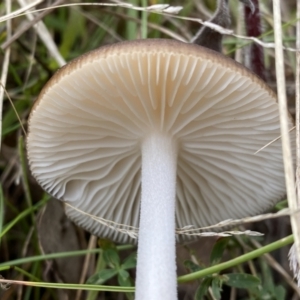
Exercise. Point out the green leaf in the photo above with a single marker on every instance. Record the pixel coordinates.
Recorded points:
(242, 281)
(267, 277)
(73, 30)
(106, 244)
(218, 250)
(129, 296)
(112, 258)
(280, 293)
(131, 26)
(102, 276)
(281, 205)
(203, 288)
(216, 288)
(192, 266)
(129, 262)
(124, 278)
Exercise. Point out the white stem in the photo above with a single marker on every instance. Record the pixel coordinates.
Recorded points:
(156, 260)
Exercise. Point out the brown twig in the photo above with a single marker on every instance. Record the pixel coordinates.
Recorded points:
(92, 244)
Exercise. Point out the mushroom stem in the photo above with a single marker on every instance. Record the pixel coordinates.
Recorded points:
(156, 265)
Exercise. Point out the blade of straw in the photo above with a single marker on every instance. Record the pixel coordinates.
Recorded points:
(5, 65)
(285, 139)
(297, 92)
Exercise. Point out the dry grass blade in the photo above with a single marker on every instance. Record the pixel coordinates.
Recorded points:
(28, 25)
(190, 230)
(237, 222)
(203, 9)
(229, 32)
(161, 8)
(285, 138)
(90, 17)
(297, 90)
(2, 87)
(158, 8)
(5, 64)
(273, 141)
(20, 11)
(297, 94)
(162, 29)
(164, 9)
(45, 36)
(294, 252)
(227, 233)
(92, 244)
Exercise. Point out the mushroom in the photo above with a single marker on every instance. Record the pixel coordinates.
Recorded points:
(156, 134)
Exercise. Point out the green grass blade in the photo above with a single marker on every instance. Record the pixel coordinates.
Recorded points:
(1, 211)
(22, 215)
(236, 261)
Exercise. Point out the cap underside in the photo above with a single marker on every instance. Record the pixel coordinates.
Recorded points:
(87, 126)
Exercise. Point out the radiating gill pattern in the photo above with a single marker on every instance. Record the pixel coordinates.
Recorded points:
(84, 142)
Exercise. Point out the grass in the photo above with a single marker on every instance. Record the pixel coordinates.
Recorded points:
(28, 58)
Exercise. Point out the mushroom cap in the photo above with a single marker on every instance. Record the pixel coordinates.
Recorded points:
(86, 129)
